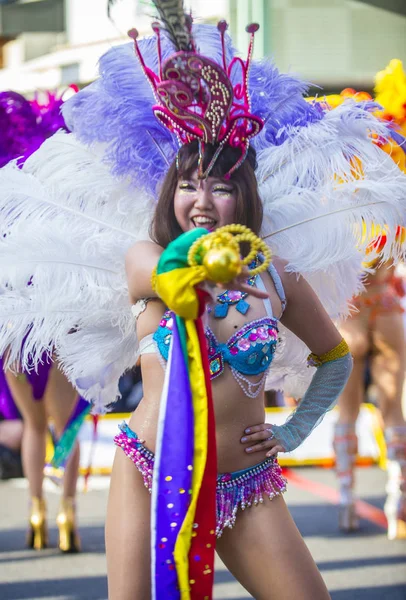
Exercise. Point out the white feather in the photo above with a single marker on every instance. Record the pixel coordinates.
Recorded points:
(68, 224)
(325, 185)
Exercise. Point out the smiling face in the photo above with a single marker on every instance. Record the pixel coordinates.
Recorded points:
(186, 202)
(209, 203)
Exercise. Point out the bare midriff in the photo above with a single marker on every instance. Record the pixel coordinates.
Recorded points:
(234, 411)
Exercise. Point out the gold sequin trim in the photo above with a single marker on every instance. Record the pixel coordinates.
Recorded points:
(339, 351)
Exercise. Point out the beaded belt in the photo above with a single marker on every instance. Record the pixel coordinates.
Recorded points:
(240, 489)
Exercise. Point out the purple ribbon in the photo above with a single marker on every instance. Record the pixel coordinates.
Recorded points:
(172, 471)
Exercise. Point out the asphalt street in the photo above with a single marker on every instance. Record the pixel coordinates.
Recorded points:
(365, 566)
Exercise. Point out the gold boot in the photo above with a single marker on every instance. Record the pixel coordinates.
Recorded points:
(345, 446)
(69, 540)
(37, 537)
(395, 505)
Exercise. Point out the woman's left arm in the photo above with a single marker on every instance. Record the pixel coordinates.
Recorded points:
(306, 318)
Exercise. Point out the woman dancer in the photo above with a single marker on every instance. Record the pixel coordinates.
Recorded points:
(246, 454)
(39, 397)
(211, 181)
(375, 334)
(198, 191)
(45, 393)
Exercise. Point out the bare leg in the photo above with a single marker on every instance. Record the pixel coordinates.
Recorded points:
(268, 556)
(11, 434)
(355, 332)
(345, 438)
(34, 433)
(33, 455)
(128, 533)
(60, 399)
(388, 374)
(388, 366)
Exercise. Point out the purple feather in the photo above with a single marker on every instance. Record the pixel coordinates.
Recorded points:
(117, 108)
(278, 99)
(18, 126)
(25, 124)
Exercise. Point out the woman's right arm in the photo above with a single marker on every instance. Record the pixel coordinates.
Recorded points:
(141, 259)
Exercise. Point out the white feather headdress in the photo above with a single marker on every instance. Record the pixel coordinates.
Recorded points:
(70, 215)
(323, 190)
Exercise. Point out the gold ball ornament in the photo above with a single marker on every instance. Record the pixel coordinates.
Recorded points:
(222, 264)
(219, 253)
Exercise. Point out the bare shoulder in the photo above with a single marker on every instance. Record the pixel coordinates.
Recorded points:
(139, 252)
(140, 261)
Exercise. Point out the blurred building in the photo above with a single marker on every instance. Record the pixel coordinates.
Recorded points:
(336, 43)
(333, 43)
(46, 44)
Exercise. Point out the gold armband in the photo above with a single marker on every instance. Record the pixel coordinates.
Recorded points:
(342, 349)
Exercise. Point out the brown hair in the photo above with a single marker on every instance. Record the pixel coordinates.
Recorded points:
(165, 228)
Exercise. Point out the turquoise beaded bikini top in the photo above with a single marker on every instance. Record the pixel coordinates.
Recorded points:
(247, 352)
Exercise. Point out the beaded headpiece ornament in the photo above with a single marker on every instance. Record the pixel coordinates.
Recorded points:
(196, 99)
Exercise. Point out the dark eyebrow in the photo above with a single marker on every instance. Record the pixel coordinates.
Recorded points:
(190, 178)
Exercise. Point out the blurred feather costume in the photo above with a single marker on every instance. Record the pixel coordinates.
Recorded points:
(390, 99)
(25, 125)
(383, 295)
(390, 93)
(390, 106)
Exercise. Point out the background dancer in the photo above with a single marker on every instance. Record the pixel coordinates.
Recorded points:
(376, 337)
(45, 393)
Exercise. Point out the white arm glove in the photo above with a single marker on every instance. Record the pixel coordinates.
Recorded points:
(333, 371)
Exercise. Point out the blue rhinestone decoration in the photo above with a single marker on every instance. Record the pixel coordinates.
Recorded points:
(242, 306)
(234, 297)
